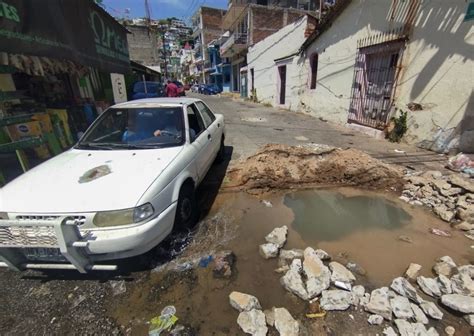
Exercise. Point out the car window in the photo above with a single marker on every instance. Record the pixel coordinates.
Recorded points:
(206, 113)
(196, 125)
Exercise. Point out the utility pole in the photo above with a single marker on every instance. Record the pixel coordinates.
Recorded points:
(164, 53)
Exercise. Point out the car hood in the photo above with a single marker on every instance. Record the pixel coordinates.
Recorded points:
(86, 181)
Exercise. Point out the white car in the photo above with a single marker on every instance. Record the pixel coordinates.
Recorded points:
(118, 193)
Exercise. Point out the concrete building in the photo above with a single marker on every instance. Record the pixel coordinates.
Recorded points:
(143, 43)
(370, 60)
(207, 27)
(249, 22)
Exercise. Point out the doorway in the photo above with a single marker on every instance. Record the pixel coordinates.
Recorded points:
(282, 81)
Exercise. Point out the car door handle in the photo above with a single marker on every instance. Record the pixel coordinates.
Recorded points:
(209, 136)
(218, 125)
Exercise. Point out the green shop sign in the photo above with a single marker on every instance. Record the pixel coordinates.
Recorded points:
(78, 30)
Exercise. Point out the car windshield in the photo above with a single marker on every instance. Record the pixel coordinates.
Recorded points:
(136, 128)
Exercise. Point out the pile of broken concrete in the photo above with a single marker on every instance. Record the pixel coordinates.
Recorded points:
(450, 197)
(310, 275)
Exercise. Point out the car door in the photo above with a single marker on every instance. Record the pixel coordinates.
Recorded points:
(199, 139)
(213, 127)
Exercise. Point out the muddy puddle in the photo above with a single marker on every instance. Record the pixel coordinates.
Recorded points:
(351, 225)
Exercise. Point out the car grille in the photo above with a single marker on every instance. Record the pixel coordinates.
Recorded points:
(79, 219)
(28, 236)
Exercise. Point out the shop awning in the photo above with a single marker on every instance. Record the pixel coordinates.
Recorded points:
(76, 30)
(149, 70)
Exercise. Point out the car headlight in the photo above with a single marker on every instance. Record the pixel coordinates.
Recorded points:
(3, 215)
(124, 217)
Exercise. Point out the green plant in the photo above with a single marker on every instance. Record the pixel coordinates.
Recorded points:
(399, 127)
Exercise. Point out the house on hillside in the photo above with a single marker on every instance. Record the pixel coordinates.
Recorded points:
(370, 60)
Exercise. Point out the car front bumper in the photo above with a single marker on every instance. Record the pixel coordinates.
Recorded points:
(80, 250)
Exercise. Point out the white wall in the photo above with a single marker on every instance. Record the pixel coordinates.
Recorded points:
(261, 57)
(437, 69)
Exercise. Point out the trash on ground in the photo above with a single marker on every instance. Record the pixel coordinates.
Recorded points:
(268, 204)
(205, 261)
(405, 239)
(165, 321)
(440, 232)
(118, 287)
(399, 151)
(459, 162)
(316, 315)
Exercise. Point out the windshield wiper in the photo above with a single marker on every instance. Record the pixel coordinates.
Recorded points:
(94, 145)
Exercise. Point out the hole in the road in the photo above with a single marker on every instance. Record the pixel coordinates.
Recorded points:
(324, 215)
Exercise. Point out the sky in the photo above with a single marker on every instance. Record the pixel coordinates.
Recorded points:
(181, 9)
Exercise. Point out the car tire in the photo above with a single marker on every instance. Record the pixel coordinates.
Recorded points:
(186, 209)
(221, 153)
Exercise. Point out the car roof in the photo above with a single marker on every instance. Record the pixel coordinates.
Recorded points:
(157, 102)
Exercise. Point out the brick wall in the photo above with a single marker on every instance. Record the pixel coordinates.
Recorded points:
(140, 45)
(267, 21)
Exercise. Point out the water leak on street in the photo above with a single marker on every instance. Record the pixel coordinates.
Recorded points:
(350, 224)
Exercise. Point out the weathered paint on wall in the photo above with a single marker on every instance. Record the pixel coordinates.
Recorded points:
(261, 58)
(437, 69)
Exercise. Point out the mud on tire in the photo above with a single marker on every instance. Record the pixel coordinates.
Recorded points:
(186, 210)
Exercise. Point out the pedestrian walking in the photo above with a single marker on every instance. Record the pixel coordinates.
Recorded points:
(171, 89)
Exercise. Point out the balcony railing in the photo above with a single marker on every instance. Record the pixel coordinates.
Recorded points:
(238, 40)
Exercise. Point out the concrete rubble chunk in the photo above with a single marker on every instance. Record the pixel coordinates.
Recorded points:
(268, 250)
(432, 174)
(341, 273)
(464, 226)
(429, 286)
(412, 271)
(404, 288)
(270, 316)
(363, 301)
(444, 284)
(318, 274)
(243, 302)
(418, 314)
(335, 299)
(444, 213)
(293, 282)
(430, 309)
(285, 323)
(457, 180)
(323, 255)
(379, 303)
(413, 329)
(286, 256)
(278, 236)
(401, 307)
(282, 269)
(375, 319)
(253, 322)
(462, 283)
(467, 269)
(458, 302)
(389, 332)
(355, 268)
(417, 180)
(445, 265)
(357, 294)
(469, 319)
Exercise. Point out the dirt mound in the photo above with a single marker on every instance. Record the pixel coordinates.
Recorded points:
(283, 167)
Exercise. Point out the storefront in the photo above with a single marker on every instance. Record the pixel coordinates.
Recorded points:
(61, 64)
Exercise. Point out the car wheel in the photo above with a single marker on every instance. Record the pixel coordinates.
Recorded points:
(186, 210)
(221, 154)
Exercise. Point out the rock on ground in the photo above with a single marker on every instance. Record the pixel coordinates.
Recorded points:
(270, 316)
(293, 283)
(444, 213)
(460, 182)
(462, 283)
(444, 284)
(243, 302)
(379, 303)
(268, 250)
(401, 307)
(340, 273)
(430, 309)
(253, 322)
(418, 314)
(389, 332)
(286, 256)
(445, 265)
(412, 271)
(460, 303)
(413, 329)
(404, 288)
(375, 319)
(464, 226)
(278, 236)
(467, 269)
(336, 299)
(429, 286)
(469, 319)
(318, 275)
(357, 294)
(323, 255)
(285, 323)
(356, 268)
